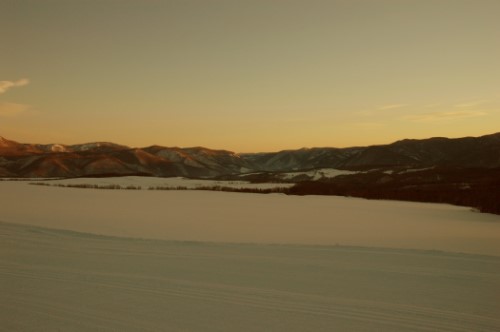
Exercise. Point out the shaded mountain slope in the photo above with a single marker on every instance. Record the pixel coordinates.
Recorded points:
(57, 160)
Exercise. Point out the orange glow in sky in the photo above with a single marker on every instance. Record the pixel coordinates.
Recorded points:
(248, 75)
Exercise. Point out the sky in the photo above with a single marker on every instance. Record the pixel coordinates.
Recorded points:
(248, 75)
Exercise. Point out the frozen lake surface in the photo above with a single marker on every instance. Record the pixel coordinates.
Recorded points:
(198, 261)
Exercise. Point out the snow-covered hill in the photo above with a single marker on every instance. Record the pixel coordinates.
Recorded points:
(101, 158)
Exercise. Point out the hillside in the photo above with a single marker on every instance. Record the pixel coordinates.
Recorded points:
(102, 158)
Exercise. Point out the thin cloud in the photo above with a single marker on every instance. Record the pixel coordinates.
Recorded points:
(6, 85)
(390, 107)
(297, 120)
(376, 111)
(365, 113)
(12, 109)
(434, 105)
(369, 124)
(449, 115)
(472, 103)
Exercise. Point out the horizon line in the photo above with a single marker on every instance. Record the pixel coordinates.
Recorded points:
(219, 149)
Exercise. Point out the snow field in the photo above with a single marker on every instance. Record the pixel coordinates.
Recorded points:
(60, 280)
(116, 260)
(252, 218)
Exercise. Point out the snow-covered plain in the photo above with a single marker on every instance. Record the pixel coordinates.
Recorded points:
(216, 261)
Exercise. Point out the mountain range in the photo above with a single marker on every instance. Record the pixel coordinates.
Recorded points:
(105, 159)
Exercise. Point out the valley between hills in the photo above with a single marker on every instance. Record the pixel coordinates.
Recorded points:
(463, 171)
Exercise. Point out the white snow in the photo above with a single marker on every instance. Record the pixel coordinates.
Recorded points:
(412, 170)
(262, 264)
(317, 173)
(58, 148)
(257, 218)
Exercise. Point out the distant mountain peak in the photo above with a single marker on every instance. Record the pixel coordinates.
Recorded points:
(59, 160)
(7, 143)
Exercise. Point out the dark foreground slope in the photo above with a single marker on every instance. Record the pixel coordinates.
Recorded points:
(475, 187)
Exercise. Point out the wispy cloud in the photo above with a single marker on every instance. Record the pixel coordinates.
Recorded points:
(12, 109)
(6, 85)
(390, 107)
(433, 105)
(369, 124)
(448, 115)
(377, 111)
(297, 120)
(472, 103)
